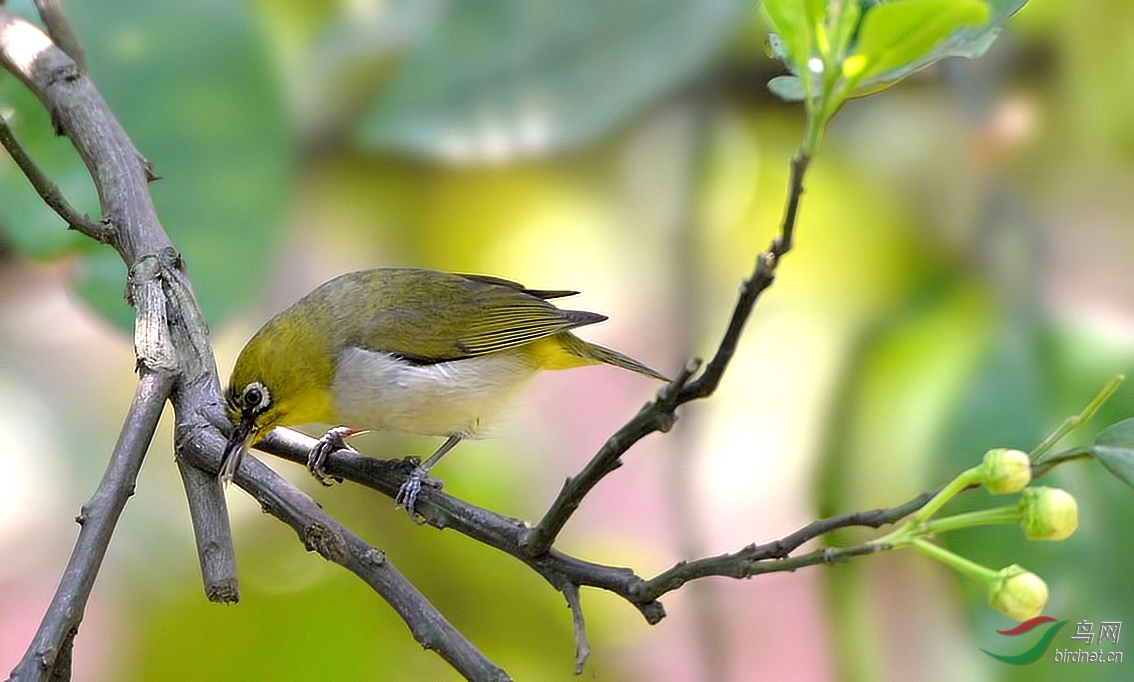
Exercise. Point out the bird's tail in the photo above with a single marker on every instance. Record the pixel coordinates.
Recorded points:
(594, 353)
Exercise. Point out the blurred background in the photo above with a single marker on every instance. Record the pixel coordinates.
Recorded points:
(961, 281)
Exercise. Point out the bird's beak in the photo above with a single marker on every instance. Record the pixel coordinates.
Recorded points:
(236, 446)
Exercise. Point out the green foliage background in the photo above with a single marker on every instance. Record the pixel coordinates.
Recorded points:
(960, 282)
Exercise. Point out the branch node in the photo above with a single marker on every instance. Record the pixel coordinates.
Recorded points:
(374, 557)
(148, 167)
(65, 73)
(171, 258)
(654, 612)
(223, 593)
(770, 259)
(153, 345)
(329, 544)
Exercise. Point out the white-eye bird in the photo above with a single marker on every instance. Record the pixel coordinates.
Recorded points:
(403, 349)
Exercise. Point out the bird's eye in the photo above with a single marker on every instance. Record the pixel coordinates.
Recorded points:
(252, 396)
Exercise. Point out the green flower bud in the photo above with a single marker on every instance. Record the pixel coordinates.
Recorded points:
(1005, 471)
(1017, 593)
(1048, 513)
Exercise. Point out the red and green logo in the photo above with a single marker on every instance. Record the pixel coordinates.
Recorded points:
(1032, 654)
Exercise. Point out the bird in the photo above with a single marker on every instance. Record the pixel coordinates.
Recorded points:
(407, 350)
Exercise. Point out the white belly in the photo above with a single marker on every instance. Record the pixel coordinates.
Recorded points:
(378, 391)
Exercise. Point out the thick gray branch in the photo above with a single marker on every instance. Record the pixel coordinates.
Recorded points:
(207, 509)
(50, 651)
(201, 446)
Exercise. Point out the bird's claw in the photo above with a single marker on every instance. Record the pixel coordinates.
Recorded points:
(407, 494)
(331, 441)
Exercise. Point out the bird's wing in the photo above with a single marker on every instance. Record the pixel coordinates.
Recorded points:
(538, 293)
(460, 316)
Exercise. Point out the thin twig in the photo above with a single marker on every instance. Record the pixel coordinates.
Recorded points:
(762, 278)
(49, 191)
(442, 510)
(1075, 421)
(579, 625)
(654, 416)
(739, 565)
(61, 31)
(660, 414)
(78, 110)
(49, 654)
(776, 556)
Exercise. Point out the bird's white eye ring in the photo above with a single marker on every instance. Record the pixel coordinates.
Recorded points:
(255, 396)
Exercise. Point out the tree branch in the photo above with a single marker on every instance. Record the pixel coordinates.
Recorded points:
(61, 31)
(49, 655)
(660, 414)
(563, 571)
(170, 333)
(202, 445)
(209, 513)
(48, 190)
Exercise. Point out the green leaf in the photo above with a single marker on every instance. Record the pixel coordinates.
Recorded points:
(1120, 434)
(511, 78)
(1114, 448)
(787, 88)
(848, 22)
(1118, 461)
(896, 34)
(790, 20)
(970, 42)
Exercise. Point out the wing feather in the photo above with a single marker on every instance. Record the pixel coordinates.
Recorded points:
(428, 317)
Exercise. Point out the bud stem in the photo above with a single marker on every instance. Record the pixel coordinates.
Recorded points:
(984, 517)
(903, 534)
(958, 563)
(962, 481)
(1071, 423)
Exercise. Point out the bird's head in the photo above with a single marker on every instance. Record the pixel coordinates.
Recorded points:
(252, 411)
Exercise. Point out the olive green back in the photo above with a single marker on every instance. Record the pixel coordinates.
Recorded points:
(423, 316)
(428, 316)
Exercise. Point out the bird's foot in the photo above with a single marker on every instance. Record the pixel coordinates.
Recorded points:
(331, 441)
(407, 494)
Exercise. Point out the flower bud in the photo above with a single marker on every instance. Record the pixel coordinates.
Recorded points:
(1005, 471)
(1017, 593)
(1048, 513)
